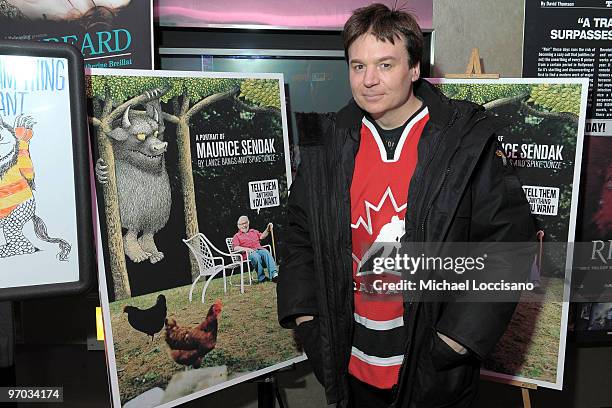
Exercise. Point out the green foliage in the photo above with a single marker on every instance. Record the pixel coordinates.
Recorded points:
(122, 88)
(550, 97)
(483, 93)
(261, 92)
(557, 97)
(199, 88)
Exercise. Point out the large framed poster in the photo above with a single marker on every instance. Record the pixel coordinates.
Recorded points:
(185, 163)
(543, 140)
(569, 40)
(109, 33)
(46, 234)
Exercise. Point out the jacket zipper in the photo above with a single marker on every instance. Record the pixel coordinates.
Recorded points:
(430, 206)
(400, 383)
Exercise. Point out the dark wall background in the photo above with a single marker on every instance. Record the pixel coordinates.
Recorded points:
(51, 334)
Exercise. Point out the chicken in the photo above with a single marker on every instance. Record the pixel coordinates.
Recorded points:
(188, 346)
(148, 321)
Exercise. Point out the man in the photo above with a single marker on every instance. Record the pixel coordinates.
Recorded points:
(247, 240)
(400, 149)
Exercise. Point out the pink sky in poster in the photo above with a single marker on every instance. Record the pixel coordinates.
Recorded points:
(313, 14)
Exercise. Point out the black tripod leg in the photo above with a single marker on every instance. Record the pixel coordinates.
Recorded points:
(265, 394)
(279, 398)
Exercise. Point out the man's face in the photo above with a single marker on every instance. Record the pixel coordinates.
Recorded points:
(243, 225)
(381, 79)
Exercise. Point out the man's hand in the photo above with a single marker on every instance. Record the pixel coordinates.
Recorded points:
(451, 343)
(301, 319)
(266, 231)
(245, 249)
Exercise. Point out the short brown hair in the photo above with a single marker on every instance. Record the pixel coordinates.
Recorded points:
(386, 25)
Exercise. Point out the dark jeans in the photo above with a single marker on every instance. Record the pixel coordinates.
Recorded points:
(362, 395)
(261, 257)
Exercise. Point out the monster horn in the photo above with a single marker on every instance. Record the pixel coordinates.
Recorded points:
(126, 118)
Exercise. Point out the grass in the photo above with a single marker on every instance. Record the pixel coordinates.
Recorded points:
(249, 337)
(530, 346)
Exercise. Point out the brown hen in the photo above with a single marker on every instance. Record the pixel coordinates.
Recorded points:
(188, 346)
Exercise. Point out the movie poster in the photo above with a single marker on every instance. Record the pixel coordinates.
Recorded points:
(593, 259)
(191, 169)
(109, 33)
(572, 40)
(542, 139)
(38, 224)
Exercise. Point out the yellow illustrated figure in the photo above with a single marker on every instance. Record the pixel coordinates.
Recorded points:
(17, 202)
(17, 182)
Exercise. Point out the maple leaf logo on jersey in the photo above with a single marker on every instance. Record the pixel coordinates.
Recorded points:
(367, 222)
(380, 228)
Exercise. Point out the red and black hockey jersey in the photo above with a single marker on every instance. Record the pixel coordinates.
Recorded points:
(379, 193)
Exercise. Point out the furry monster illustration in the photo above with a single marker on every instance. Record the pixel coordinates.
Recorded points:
(143, 186)
(17, 202)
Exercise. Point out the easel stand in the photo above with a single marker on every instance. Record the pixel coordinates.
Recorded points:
(473, 69)
(268, 391)
(524, 386)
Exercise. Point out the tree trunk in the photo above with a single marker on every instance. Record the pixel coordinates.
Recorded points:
(186, 171)
(117, 265)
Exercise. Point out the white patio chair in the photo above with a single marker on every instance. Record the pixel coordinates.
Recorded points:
(237, 257)
(208, 264)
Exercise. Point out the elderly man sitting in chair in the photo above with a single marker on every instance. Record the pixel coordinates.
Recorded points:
(247, 240)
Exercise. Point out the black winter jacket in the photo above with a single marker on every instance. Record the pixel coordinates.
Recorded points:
(461, 191)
